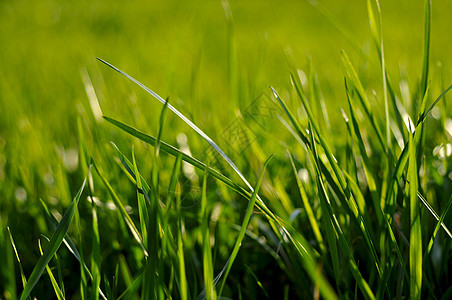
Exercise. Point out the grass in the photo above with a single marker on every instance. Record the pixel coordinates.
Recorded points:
(335, 182)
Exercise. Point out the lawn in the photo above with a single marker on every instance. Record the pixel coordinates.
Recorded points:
(225, 149)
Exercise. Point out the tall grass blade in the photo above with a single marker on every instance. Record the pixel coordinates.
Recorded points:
(122, 210)
(245, 222)
(415, 227)
(53, 246)
(55, 286)
(84, 289)
(22, 274)
(434, 213)
(362, 284)
(207, 262)
(302, 246)
(142, 206)
(438, 225)
(307, 206)
(426, 54)
(69, 243)
(353, 76)
(185, 119)
(96, 258)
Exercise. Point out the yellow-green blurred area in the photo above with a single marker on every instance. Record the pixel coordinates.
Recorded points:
(211, 58)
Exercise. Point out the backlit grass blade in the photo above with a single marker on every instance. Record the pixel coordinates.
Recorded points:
(301, 245)
(129, 169)
(185, 119)
(328, 153)
(438, 225)
(415, 227)
(7, 270)
(83, 269)
(354, 79)
(122, 210)
(175, 152)
(424, 114)
(434, 213)
(183, 285)
(366, 161)
(245, 222)
(53, 246)
(55, 286)
(378, 38)
(426, 54)
(22, 274)
(362, 284)
(403, 157)
(207, 262)
(69, 243)
(308, 207)
(95, 255)
(132, 287)
(142, 206)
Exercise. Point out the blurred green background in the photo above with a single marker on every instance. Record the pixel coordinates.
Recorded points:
(211, 58)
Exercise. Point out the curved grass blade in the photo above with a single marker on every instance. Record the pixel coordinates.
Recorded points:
(435, 214)
(426, 56)
(209, 292)
(55, 286)
(362, 284)
(246, 220)
(353, 75)
(142, 207)
(68, 243)
(415, 232)
(438, 225)
(22, 274)
(174, 152)
(96, 255)
(302, 246)
(122, 211)
(308, 208)
(185, 119)
(53, 246)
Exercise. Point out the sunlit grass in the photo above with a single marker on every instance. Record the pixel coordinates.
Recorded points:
(353, 204)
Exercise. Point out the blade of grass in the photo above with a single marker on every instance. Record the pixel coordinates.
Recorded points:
(69, 243)
(308, 207)
(345, 196)
(122, 211)
(415, 227)
(185, 119)
(377, 32)
(207, 263)
(438, 225)
(95, 255)
(142, 206)
(366, 161)
(55, 286)
(183, 285)
(434, 213)
(249, 210)
(84, 289)
(362, 96)
(362, 284)
(53, 246)
(22, 274)
(303, 248)
(426, 54)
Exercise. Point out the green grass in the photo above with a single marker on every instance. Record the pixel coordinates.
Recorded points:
(215, 159)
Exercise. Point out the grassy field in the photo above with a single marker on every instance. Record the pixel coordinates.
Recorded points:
(299, 149)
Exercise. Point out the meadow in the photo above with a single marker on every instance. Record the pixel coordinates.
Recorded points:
(225, 149)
